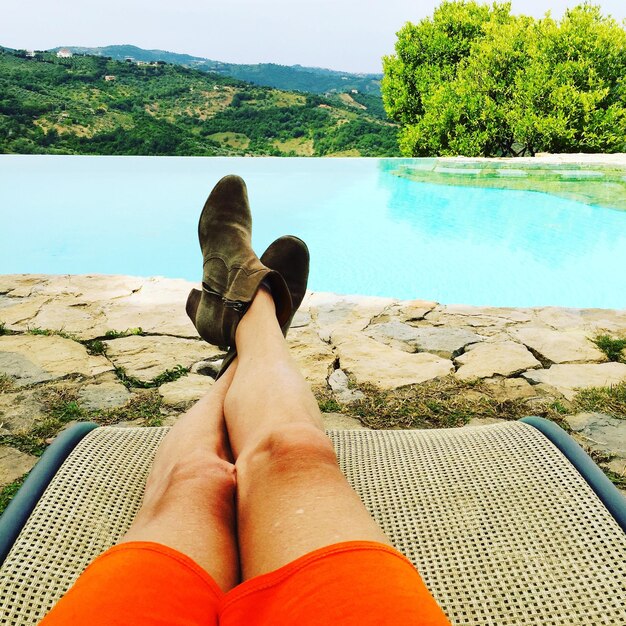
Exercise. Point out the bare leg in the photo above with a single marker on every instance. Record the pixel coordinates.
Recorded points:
(292, 496)
(189, 503)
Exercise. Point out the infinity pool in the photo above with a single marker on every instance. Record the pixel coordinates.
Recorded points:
(370, 230)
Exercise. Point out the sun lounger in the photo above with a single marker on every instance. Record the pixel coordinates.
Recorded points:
(508, 523)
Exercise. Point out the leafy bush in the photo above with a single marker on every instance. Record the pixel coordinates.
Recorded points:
(478, 81)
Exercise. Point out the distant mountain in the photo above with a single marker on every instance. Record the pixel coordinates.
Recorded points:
(288, 77)
(85, 104)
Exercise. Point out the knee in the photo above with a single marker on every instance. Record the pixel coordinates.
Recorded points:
(289, 448)
(198, 475)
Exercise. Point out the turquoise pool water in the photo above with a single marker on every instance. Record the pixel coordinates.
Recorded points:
(369, 231)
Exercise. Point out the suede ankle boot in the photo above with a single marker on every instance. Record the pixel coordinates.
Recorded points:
(289, 256)
(232, 273)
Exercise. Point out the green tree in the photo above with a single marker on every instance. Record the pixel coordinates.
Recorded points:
(428, 55)
(571, 95)
(470, 114)
(513, 85)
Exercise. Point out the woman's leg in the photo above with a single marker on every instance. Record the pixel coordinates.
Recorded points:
(291, 495)
(189, 502)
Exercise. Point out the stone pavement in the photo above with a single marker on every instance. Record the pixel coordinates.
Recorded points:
(340, 342)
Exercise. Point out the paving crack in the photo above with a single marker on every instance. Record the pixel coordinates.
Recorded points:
(545, 362)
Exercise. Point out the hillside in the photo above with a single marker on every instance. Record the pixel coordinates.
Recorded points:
(290, 78)
(93, 105)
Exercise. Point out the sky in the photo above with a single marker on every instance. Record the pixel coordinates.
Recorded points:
(346, 35)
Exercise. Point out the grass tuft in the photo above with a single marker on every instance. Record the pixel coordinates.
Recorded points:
(610, 400)
(169, 376)
(619, 480)
(131, 382)
(442, 403)
(3, 329)
(95, 347)
(117, 334)
(433, 404)
(558, 407)
(61, 406)
(326, 401)
(6, 383)
(145, 406)
(49, 332)
(611, 346)
(62, 403)
(8, 492)
(25, 442)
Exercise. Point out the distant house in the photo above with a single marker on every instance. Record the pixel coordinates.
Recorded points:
(109, 78)
(30, 54)
(64, 53)
(354, 91)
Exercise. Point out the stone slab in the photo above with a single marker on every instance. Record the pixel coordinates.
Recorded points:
(32, 359)
(147, 357)
(601, 432)
(510, 389)
(103, 394)
(444, 342)
(16, 313)
(611, 321)
(484, 360)
(561, 318)
(14, 464)
(553, 346)
(346, 314)
(80, 288)
(506, 314)
(410, 311)
(395, 334)
(90, 306)
(338, 382)
(21, 285)
(415, 310)
(158, 307)
(83, 322)
(314, 357)
(372, 362)
(185, 390)
(569, 377)
(339, 421)
(486, 321)
(20, 411)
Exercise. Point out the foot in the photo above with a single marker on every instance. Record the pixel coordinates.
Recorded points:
(289, 256)
(232, 273)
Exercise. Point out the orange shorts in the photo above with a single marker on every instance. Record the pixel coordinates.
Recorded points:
(148, 584)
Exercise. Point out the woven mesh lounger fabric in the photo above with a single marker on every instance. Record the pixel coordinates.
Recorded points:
(502, 528)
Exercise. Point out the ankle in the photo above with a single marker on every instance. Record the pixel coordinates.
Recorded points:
(262, 304)
(260, 317)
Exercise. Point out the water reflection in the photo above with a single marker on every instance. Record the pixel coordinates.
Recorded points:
(551, 230)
